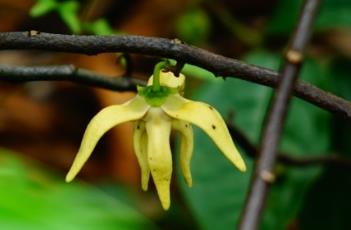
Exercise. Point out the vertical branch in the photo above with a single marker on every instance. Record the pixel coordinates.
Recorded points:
(263, 175)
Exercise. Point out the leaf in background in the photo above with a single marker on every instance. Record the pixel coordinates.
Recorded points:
(218, 193)
(42, 7)
(340, 81)
(333, 14)
(99, 27)
(306, 132)
(328, 204)
(200, 73)
(32, 198)
(68, 11)
(193, 26)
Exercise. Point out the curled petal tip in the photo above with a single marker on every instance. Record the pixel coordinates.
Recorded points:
(186, 148)
(69, 178)
(102, 122)
(163, 193)
(189, 182)
(209, 120)
(241, 165)
(158, 128)
(166, 205)
(144, 187)
(73, 172)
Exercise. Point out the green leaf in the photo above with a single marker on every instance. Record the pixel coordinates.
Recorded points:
(99, 27)
(333, 14)
(328, 204)
(193, 26)
(219, 190)
(339, 75)
(42, 7)
(68, 11)
(32, 198)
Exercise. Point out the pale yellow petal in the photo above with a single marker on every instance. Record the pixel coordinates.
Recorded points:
(100, 124)
(186, 148)
(209, 120)
(168, 79)
(140, 149)
(158, 128)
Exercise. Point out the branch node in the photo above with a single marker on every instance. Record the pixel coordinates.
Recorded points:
(293, 56)
(177, 41)
(33, 33)
(267, 176)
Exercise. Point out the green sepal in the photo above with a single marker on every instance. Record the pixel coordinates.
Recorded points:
(153, 97)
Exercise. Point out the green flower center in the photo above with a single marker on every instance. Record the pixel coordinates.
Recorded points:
(155, 95)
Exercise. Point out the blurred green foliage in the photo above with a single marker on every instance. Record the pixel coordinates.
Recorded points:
(32, 197)
(315, 197)
(333, 14)
(219, 190)
(68, 11)
(193, 26)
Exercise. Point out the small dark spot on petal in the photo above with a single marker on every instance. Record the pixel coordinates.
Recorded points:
(138, 126)
(186, 125)
(211, 108)
(213, 127)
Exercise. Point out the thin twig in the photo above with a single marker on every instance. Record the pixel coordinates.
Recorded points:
(285, 158)
(161, 47)
(67, 73)
(264, 171)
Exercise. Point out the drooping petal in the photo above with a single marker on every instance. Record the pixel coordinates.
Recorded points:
(209, 120)
(102, 122)
(140, 149)
(158, 129)
(186, 148)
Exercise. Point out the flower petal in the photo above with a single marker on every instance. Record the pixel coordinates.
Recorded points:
(158, 128)
(100, 124)
(209, 120)
(140, 149)
(168, 79)
(186, 148)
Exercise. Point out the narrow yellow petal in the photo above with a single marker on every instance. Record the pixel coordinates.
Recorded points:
(186, 148)
(209, 120)
(100, 124)
(158, 128)
(140, 149)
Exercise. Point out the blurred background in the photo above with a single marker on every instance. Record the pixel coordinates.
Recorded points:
(41, 123)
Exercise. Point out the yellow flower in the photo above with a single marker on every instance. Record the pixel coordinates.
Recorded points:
(155, 116)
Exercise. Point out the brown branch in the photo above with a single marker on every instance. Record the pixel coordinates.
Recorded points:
(219, 65)
(250, 149)
(19, 74)
(263, 174)
(67, 73)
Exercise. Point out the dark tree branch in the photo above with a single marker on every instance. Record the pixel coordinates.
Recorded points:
(18, 74)
(287, 159)
(219, 65)
(263, 174)
(67, 73)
